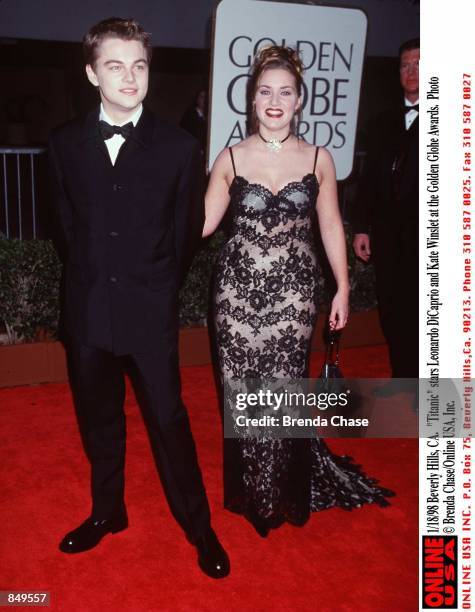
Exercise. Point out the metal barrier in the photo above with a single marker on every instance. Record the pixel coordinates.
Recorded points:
(22, 172)
(19, 176)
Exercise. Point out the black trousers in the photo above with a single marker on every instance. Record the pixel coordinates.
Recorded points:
(397, 288)
(97, 380)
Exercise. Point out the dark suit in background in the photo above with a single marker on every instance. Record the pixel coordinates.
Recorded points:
(128, 233)
(194, 119)
(387, 209)
(195, 123)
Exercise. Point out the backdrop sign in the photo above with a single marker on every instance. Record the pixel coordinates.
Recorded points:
(331, 42)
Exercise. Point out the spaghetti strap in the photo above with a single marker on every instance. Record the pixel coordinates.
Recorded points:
(232, 160)
(315, 162)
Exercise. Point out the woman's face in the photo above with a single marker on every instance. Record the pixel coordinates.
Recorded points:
(276, 99)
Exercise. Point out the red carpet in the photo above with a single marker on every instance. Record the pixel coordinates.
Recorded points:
(361, 560)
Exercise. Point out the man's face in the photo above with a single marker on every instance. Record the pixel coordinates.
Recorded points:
(121, 73)
(409, 73)
(201, 101)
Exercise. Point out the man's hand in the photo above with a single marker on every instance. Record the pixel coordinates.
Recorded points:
(361, 246)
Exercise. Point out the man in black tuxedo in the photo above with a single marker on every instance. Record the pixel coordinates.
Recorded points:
(194, 119)
(387, 210)
(129, 200)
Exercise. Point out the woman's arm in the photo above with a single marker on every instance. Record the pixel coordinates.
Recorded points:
(333, 237)
(217, 194)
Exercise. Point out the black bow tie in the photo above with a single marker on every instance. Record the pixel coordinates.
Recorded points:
(410, 108)
(107, 130)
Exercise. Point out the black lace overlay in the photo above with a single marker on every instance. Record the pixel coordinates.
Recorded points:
(265, 296)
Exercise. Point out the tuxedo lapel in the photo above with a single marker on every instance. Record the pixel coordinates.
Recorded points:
(414, 129)
(406, 140)
(90, 138)
(140, 138)
(93, 161)
(402, 123)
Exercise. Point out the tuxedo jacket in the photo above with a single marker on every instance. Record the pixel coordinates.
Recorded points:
(196, 125)
(127, 230)
(387, 200)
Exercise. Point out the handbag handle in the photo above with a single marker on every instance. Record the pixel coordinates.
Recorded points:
(333, 346)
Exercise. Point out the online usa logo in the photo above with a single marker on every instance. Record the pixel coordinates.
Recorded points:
(439, 572)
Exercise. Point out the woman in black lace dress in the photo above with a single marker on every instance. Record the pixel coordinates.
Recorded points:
(265, 296)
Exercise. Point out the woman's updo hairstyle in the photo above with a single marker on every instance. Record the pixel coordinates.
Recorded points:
(274, 56)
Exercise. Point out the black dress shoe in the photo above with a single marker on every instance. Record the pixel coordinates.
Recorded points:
(212, 558)
(90, 533)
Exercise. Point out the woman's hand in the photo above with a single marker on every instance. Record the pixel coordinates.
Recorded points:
(339, 310)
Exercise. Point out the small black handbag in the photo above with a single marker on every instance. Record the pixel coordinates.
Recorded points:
(332, 378)
(331, 368)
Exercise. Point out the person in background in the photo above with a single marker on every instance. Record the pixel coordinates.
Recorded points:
(194, 119)
(385, 218)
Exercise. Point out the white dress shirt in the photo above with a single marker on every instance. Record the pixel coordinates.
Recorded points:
(412, 114)
(113, 144)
